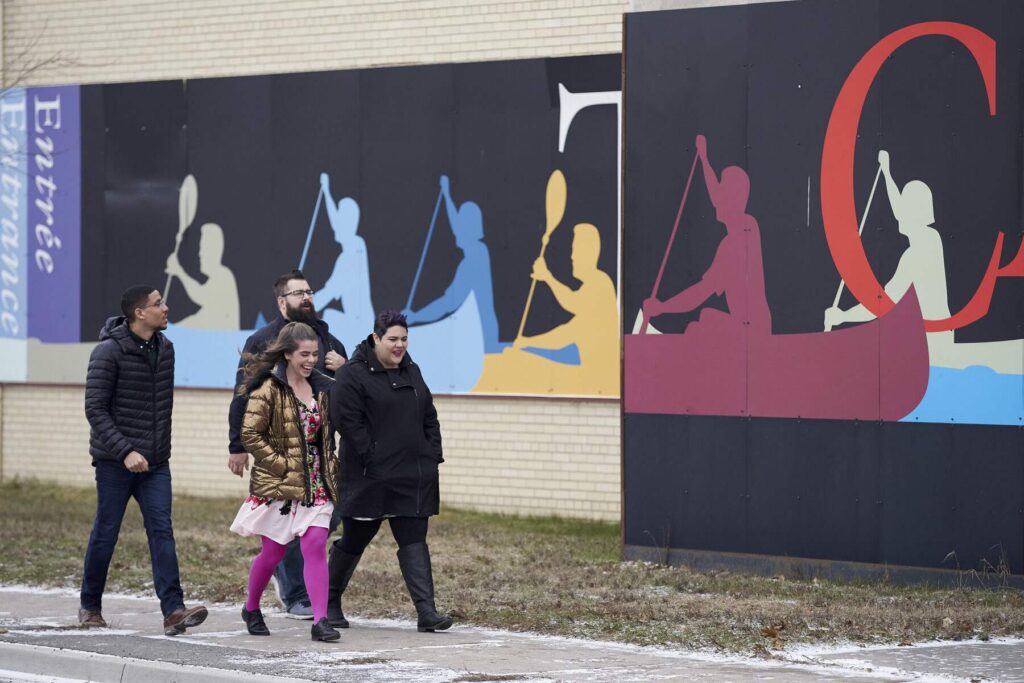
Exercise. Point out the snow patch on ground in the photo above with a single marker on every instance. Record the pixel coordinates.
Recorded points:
(71, 632)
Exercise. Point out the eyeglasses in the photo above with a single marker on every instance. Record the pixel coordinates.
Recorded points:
(299, 293)
(157, 304)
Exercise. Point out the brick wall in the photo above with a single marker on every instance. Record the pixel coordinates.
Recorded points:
(514, 455)
(528, 456)
(127, 40)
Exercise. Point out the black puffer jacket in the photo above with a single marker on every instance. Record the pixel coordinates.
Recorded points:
(128, 403)
(390, 438)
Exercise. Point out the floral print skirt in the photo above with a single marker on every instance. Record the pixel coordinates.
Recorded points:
(280, 520)
(283, 520)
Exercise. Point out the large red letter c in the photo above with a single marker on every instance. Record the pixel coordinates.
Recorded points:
(839, 213)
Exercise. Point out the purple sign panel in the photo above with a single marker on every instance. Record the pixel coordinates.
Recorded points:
(54, 213)
(13, 249)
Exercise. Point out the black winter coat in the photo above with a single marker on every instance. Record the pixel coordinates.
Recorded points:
(128, 403)
(390, 438)
(257, 342)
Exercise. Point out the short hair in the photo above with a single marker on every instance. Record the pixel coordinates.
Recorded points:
(387, 319)
(134, 297)
(281, 283)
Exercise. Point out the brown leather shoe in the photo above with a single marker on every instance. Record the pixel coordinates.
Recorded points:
(91, 618)
(180, 619)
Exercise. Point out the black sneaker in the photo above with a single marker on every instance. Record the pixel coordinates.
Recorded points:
(254, 622)
(323, 631)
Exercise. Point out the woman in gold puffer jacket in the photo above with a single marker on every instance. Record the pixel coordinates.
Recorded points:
(293, 485)
(279, 464)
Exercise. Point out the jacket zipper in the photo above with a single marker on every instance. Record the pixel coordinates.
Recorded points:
(419, 463)
(152, 372)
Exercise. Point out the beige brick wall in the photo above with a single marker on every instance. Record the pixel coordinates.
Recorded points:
(513, 455)
(530, 456)
(133, 40)
(526, 456)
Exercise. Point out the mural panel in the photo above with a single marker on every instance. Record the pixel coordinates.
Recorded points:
(826, 227)
(481, 199)
(823, 282)
(40, 221)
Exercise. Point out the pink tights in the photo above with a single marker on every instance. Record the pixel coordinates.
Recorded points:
(314, 571)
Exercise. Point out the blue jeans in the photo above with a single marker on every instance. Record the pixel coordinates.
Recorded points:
(152, 490)
(288, 573)
(290, 582)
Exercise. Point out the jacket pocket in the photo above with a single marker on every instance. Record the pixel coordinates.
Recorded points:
(277, 464)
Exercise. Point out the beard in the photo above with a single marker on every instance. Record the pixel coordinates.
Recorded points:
(303, 313)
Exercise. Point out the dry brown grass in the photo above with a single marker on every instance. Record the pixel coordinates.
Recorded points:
(550, 576)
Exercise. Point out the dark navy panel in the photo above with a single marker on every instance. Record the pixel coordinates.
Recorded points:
(814, 489)
(896, 493)
(689, 473)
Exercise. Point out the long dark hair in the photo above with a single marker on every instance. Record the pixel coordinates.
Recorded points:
(257, 364)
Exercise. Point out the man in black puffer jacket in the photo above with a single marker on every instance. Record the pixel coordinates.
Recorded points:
(129, 393)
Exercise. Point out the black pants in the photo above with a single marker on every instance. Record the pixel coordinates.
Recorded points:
(357, 534)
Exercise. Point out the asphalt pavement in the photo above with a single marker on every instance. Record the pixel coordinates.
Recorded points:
(41, 641)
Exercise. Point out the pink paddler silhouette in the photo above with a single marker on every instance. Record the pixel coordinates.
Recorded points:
(729, 363)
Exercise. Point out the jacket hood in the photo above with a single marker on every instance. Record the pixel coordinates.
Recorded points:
(116, 327)
(364, 353)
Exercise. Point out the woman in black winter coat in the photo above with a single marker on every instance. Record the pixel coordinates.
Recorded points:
(390, 450)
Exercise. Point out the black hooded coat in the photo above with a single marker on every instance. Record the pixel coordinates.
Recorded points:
(128, 403)
(390, 438)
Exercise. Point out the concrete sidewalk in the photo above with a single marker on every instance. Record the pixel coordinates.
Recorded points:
(40, 641)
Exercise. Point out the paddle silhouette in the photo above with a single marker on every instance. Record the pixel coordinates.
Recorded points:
(737, 270)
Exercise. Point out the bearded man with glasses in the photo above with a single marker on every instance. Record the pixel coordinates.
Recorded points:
(295, 303)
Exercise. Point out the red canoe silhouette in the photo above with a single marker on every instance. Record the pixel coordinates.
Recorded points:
(875, 371)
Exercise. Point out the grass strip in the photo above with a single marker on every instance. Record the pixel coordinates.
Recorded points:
(546, 575)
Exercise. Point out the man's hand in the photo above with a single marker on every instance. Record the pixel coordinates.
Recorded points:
(833, 317)
(540, 270)
(334, 360)
(238, 463)
(702, 146)
(883, 160)
(136, 462)
(173, 266)
(653, 307)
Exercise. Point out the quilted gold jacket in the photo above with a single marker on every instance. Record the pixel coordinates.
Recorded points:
(272, 433)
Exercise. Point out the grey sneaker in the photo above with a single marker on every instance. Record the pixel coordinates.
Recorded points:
(300, 610)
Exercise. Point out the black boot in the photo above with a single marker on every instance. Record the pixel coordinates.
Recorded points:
(414, 560)
(323, 631)
(254, 622)
(339, 569)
